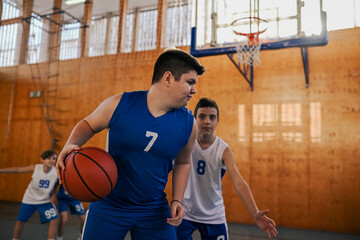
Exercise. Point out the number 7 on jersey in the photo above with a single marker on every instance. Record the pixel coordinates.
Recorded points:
(154, 136)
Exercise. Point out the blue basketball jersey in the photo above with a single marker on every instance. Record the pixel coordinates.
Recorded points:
(144, 148)
(62, 194)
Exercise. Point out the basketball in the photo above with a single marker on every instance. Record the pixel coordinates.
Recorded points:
(90, 174)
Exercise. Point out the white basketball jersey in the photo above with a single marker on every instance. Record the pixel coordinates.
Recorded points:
(203, 201)
(41, 186)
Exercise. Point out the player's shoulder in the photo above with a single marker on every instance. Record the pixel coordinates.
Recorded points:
(184, 112)
(222, 146)
(131, 97)
(134, 94)
(110, 103)
(221, 141)
(185, 118)
(125, 95)
(113, 99)
(37, 166)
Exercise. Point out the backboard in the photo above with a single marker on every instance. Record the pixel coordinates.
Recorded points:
(290, 23)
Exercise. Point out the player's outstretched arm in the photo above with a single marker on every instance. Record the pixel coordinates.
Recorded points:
(265, 223)
(86, 128)
(243, 190)
(180, 177)
(26, 169)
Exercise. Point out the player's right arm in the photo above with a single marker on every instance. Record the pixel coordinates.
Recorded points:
(180, 178)
(26, 169)
(243, 190)
(97, 121)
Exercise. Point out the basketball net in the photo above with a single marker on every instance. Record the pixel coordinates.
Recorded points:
(251, 27)
(249, 52)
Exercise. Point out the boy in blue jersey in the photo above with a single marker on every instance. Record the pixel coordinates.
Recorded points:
(147, 131)
(65, 202)
(203, 201)
(39, 195)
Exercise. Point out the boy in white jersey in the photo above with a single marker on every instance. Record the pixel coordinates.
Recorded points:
(203, 201)
(39, 195)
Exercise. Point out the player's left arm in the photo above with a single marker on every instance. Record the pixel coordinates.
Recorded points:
(243, 190)
(180, 177)
(26, 169)
(84, 130)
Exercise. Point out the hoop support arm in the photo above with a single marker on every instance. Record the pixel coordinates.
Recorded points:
(305, 59)
(245, 72)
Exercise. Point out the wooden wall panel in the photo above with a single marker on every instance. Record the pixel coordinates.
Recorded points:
(297, 147)
(298, 181)
(6, 88)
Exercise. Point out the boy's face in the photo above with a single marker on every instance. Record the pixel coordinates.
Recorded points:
(50, 162)
(207, 120)
(184, 88)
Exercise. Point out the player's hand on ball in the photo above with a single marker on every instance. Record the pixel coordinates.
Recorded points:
(60, 160)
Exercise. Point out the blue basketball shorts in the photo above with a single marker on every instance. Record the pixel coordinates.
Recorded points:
(47, 212)
(207, 231)
(76, 207)
(101, 226)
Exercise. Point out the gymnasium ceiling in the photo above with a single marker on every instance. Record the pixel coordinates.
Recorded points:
(99, 6)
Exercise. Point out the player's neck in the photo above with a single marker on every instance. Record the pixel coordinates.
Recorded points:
(206, 140)
(156, 104)
(46, 169)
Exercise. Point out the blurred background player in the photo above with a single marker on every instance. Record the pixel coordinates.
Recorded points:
(203, 200)
(39, 195)
(65, 202)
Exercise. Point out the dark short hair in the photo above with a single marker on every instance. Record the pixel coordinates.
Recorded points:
(177, 62)
(47, 154)
(206, 102)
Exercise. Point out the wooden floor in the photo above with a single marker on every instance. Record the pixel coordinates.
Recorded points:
(33, 230)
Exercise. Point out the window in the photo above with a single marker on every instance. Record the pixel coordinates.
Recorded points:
(103, 35)
(10, 9)
(9, 33)
(146, 29)
(104, 29)
(129, 29)
(178, 24)
(37, 41)
(8, 39)
(285, 19)
(70, 41)
(344, 14)
(97, 36)
(113, 35)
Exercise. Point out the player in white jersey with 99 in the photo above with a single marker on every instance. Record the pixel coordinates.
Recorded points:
(203, 201)
(39, 195)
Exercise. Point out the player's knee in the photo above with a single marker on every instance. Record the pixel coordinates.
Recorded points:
(64, 220)
(54, 221)
(82, 221)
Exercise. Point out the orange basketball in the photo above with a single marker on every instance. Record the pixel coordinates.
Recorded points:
(90, 174)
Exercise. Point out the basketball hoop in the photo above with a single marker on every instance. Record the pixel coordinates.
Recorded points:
(250, 27)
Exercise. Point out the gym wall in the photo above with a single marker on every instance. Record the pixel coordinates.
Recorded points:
(297, 147)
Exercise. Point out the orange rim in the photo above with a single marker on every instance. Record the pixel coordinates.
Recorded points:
(250, 35)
